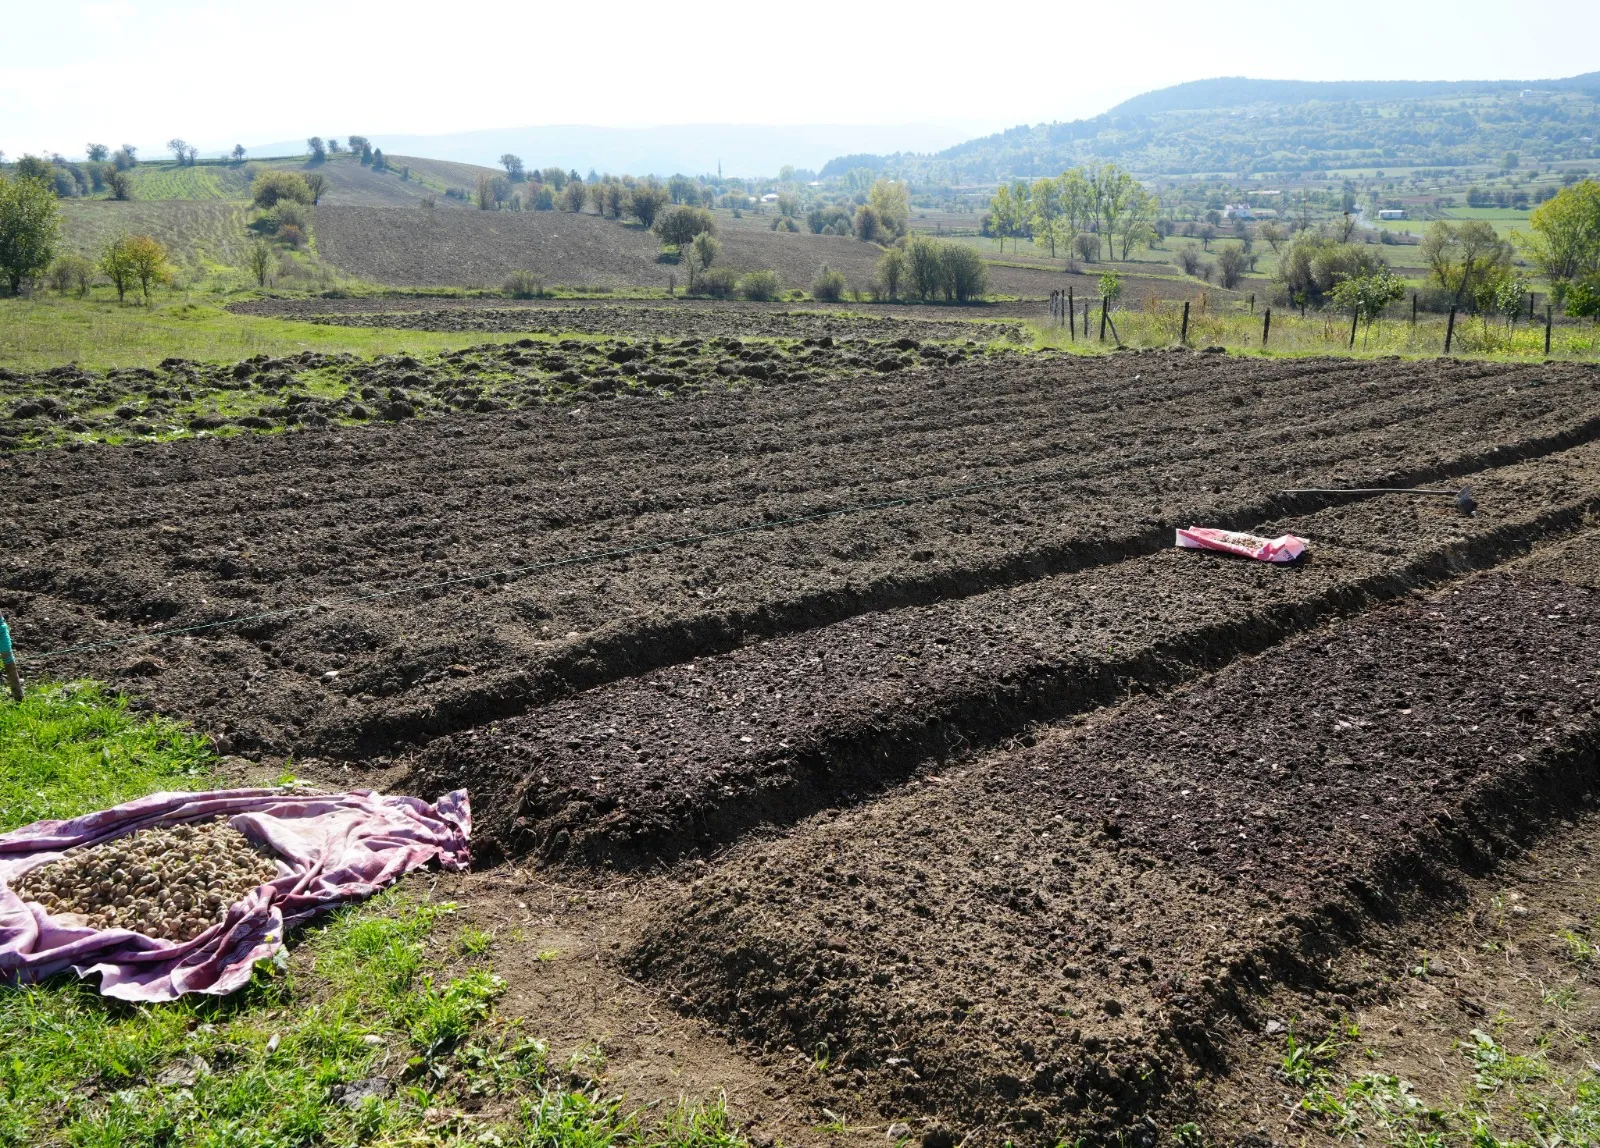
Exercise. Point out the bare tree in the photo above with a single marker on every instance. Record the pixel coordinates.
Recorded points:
(317, 185)
(179, 148)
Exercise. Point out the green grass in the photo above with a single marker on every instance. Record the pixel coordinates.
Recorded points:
(44, 331)
(1510, 1099)
(202, 181)
(1230, 325)
(378, 990)
(69, 749)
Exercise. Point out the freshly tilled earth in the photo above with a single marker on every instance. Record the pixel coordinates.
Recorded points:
(699, 753)
(169, 883)
(424, 578)
(1054, 937)
(676, 320)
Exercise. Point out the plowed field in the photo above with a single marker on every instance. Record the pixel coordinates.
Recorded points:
(864, 714)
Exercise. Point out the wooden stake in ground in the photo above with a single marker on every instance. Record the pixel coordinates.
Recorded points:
(1072, 315)
(1354, 319)
(9, 660)
(1105, 313)
(1413, 308)
(1450, 331)
(1266, 327)
(1183, 333)
(1547, 314)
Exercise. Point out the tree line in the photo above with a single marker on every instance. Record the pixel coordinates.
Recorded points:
(1078, 212)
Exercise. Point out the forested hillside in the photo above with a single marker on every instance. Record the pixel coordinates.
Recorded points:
(1237, 126)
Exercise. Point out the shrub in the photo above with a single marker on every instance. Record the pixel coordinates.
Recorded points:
(965, 276)
(679, 225)
(827, 220)
(760, 286)
(718, 282)
(524, 285)
(272, 186)
(785, 223)
(544, 199)
(292, 234)
(1087, 246)
(573, 196)
(891, 273)
(1188, 259)
(646, 202)
(71, 271)
(1231, 264)
(868, 224)
(829, 285)
(288, 213)
(120, 185)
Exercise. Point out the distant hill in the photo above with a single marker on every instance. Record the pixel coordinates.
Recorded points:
(692, 149)
(1237, 125)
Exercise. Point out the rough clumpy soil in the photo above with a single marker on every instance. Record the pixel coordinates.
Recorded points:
(700, 752)
(537, 531)
(170, 883)
(1042, 943)
(681, 318)
(69, 404)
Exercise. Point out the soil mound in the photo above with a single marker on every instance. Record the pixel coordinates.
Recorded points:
(1044, 942)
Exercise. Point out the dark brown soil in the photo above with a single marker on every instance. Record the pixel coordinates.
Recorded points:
(1408, 1000)
(681, 317)
(964, 479)
(700, 753)
(1041, 943)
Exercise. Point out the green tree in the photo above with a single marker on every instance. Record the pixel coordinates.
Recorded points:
(964, 277)
(1110, 286)
(891, 272)
(271, 186)
(1044, 198)
(1461, 256)
(678, 226)
(259, 260)
(318, 149)
(867, 227)
(1231, 263)
(891, 199)
(97, 153)
(646, 201)
(147, 262)
(1114, 198)
(573, 196)
(703, 252)
(1366, 296)
(924, 269)
(1136, 219)
(120, 184)
(117, 266)
(1565, 242)
(513, 166)
(30, 228)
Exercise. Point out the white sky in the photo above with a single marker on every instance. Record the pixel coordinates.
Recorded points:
(141, 71)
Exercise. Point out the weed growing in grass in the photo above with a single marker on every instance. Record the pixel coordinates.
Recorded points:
(1515, 1100)
(1579, 947)
(72, 748)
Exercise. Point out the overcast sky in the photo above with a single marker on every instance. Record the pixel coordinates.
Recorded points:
(142, 71)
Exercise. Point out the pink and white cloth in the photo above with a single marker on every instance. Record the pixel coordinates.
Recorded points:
(1284, 548)
(331, 848)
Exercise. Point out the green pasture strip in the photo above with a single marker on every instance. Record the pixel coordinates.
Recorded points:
(1324, 333)
(72, 748)
(45, 331)
(383, 996)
